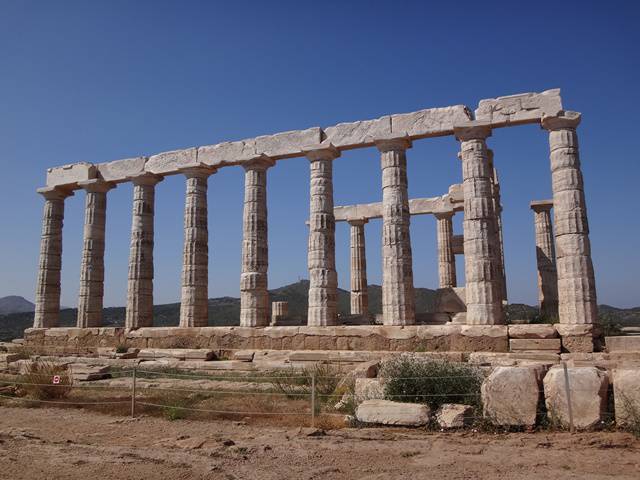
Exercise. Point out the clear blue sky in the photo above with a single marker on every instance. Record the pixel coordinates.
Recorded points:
(103, 80)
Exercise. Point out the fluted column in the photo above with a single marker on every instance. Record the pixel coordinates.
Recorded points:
(254, 296)
(497, 225)
(90, 300)
(446, 257)
(194, 303)
(545, 259)
(359, 287)
(398, 299)
(323, 279)
(576, 282)
(47, 310)
(140, 277)
(482, 273)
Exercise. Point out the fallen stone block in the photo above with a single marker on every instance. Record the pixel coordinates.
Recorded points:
(510, 395)
(533, 344)
(244, 355)
(86, 373)
(454, 415)
(178, 353)
(368, 389)
(588, 387)
(626, 395)
(385, 412)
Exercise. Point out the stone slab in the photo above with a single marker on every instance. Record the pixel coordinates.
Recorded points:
(368, 389)
(519, 109)
(547, 344)
(454, 415)
(626, 394)
(70, 175)
(288, 144)
(357, 134)
(431, 122)
(172, 162)
(532, 331)
(623, 344)
(121, 170)
(385, 412)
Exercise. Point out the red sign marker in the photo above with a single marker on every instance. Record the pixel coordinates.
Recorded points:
(56, 379)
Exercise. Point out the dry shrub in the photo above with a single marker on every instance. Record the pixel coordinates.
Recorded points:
(296, 381)
(38, 383)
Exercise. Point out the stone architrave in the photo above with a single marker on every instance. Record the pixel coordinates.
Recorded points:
(90, 299)
(446, 257)
(254, 296)
(47, 309)
(323, 279)
(194, 305)
(398, 298)
(482, 270)
(140, 278)
(359, 287)
(576, 282)
(545, 259)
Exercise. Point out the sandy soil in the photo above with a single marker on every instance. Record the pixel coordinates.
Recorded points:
(74, 444)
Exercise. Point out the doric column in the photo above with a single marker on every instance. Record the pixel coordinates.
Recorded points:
(497, 216)
(48, 285)
(398, 299)
(359, 287)
(194, 303)
(254, 296)
(90, 300)
(576, 281)
(323, 279)
(482, 273)
(545, 259)
(446, 257)
(140, 277)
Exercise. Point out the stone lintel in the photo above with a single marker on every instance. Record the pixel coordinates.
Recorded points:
(96, 185)
(472, 130)
(70, 175)
(145, 179)
(198, 171)
(123, 170)
(321, 151)
(358, 222)
(564, 120)
(399, 141)
(261, 162)
(519, 109)
(541, 205)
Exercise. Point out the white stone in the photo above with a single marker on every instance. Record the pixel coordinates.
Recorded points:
(386, 412)
(358, 134)
(368, 389)
(430, 122)
(626, 395)
(520, 108)
(172, 162)
(121, 170)
(227, 153)
(588, 387)
(70, 175)
(288, 144)
(454, 415)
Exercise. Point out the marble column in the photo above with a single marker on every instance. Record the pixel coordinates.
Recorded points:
(90, 299)
(482, 272)
(359, 287)
(446, 257)
(577, 302)
(140, 277)
(194, 303)
(323, 279)
(254, 296)
(545, 260)
(497, 224)
(398, 298)
(47, 310)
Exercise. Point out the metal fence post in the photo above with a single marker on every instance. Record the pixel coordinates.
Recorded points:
(313, 399)
(133, 393)
(568, 392)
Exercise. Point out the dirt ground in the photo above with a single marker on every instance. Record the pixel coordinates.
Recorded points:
(51, 443)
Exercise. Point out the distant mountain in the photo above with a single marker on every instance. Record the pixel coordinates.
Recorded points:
(15, 304)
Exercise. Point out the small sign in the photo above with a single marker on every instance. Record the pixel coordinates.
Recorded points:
(56, 379)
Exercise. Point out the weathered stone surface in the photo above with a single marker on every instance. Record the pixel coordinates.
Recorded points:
(510, 395)
(431, 122)
(227, 153)
(356, 134)
(386, 412)
(121, 170)
(588, 387)
(520, 108)
(532, 331)
(446, 257)
(368, 389)
(279, 312)
(87, 373)
(623, 344)
(359, 297)
(551, 344)
(70, 175)
(454, 415)
(172, 162)
(626, 394)
(177, 353)
(288, 144)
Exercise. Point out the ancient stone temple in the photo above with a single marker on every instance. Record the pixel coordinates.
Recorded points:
(476, 321)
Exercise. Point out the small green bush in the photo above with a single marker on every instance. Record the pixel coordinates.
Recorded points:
(408, 378)
(122, 348)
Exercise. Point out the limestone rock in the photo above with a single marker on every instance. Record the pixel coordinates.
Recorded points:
(529, 344)
(454, 415)
(172, 162)
(510, 395)
(588, 386)
(369, 389)
(623, 344)
(521, 108)
(227, 153)
(121, 170)
(386, 412)
(346, 135)
(532, 331)
(69, 175)
(287, 144)
(430, 122)
(626, 394)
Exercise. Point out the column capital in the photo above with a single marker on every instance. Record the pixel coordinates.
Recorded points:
(261, 162)
(566, 120)
(55, 193)
(541, 205)
(146, 179)
(96, 185)
(472, 130)
(198, 172)
(444, 215)
(321, 151)
(393, 142)
(357, 222)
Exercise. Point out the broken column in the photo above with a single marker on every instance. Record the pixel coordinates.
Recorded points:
(47, 309)
(194, 303)
(90, 299)
(359, 287)
(446, 257)
(254, 296)
(576, 282)
(140, 279)
(323, 279)
(545, 259)
(398, 299)
(482, 271)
